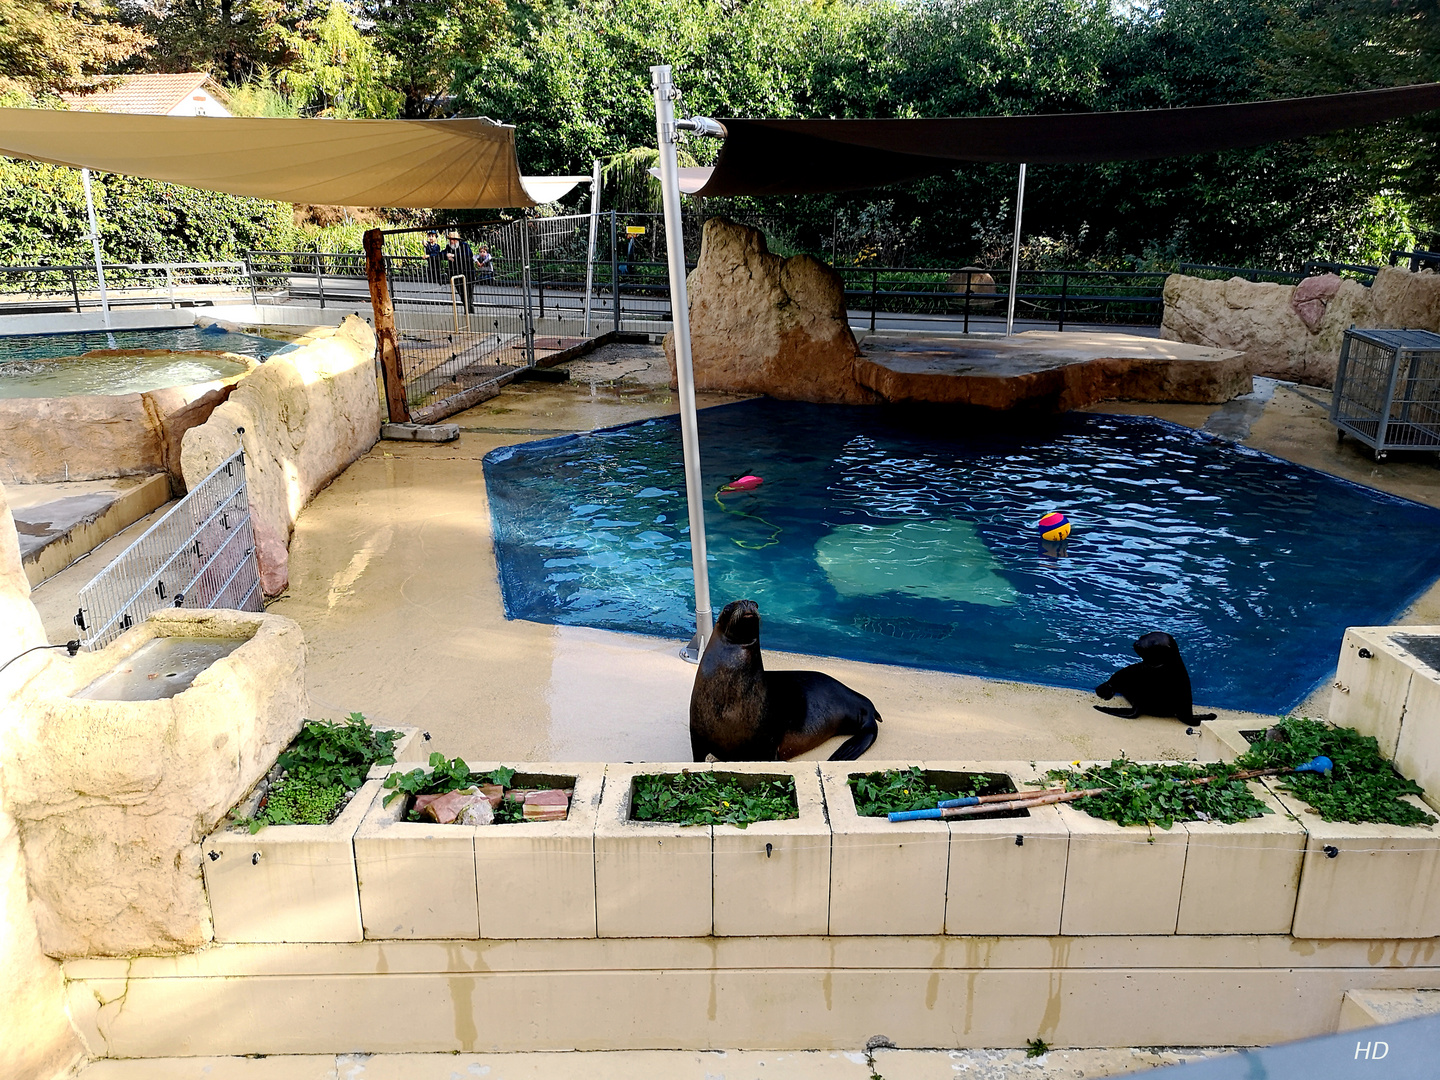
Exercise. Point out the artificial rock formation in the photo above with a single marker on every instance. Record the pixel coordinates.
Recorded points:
(1295, 332)
(307, 414)
(36, 1039)
(764, 324)
(114, 797)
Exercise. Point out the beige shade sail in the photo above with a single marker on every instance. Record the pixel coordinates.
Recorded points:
(444, 164)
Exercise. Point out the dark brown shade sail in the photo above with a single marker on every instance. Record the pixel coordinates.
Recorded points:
(805, 157)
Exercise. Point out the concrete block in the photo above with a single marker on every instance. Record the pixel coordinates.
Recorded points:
(436, 433)
(416, 879)
(1118, 879)
(772, 878)
(1365, 881)
(868, 856)
(1006, 875)
(1221, 740)
(536, 879)
(1367, 1008)
(1242, 878)
(651, 879)
(408, 749)
(288, 882)
(1370, 691)
(1417, 752)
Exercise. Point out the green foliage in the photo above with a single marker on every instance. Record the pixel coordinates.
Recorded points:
(423, 40)
(232, 39)
(299, 801)
(338, 71)
(338, 753)
(52, 46)
(452, 775)
(1035, 1048)
(687, 798)
(628, 184)
(1162, 794)
(42, 217)
(880, 793)
(1363, 787)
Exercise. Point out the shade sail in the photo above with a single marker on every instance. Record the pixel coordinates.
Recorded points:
(455, 164)
(802, 157)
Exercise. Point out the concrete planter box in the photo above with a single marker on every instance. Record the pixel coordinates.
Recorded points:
(1242, 878)
(1119, 879)
(772, 878)
(960, 877)
(652, 879)
(412, 748)
(869, 856)
(1225, 740)
(288, 882)
(1366, 881)
(536, 879)
(1371, 691)
(1006, 874)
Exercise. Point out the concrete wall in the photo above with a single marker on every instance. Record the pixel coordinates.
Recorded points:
(1295, 332)
(36, 1039)
(307, 414)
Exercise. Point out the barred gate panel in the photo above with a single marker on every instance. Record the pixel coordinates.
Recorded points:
(201, 554)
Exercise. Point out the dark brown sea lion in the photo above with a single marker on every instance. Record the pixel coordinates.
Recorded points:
(741, 712)
(1157, 686)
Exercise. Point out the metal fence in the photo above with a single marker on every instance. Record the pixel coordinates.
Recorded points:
(48, 288)
(199, 555)
(1387, 390)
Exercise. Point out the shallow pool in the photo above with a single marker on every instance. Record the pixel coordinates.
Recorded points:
(55, 365)
(907, 538)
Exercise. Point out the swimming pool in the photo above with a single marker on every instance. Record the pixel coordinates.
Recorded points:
(907, 538)
(208, 339)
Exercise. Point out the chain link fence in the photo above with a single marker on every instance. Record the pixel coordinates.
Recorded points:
(201, 554)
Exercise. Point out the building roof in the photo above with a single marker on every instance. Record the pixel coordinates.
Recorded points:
(146, 94)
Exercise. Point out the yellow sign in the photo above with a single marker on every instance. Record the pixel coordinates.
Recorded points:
(634, 230)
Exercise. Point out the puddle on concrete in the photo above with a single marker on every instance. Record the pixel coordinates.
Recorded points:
(160, 668)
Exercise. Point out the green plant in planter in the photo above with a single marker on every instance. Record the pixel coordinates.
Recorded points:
(687, 798)
(879, 793)
(453, 775)
(1162, 794)
(319, 770)
(1362, 788)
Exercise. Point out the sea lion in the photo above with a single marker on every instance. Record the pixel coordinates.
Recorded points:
(1157, 686)
(741, 712)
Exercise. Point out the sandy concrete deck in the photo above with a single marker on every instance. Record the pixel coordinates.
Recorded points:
(393, 579)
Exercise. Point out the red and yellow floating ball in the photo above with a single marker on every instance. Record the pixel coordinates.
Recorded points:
(1054, 526)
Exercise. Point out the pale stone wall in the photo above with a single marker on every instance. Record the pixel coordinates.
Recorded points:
(36, 1039)
(307, 414)
(1294, 332)
(114, 797)
(99, 436)
(763, 324)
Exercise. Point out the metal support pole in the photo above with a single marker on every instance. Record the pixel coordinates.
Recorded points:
(1015, 254)
(590, 248)
(666, 136)
(95, 243)
(525, 287)
(1064, 288)
(614, 272)
(874, 288)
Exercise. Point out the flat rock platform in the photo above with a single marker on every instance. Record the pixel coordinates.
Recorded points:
(1046, 371)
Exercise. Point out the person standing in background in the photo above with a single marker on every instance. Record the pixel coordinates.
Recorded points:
(460, 262)
(434, 257)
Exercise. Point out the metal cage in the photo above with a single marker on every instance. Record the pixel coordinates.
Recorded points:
(1387, 390)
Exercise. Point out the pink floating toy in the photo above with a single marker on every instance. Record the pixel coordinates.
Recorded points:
(743, 483)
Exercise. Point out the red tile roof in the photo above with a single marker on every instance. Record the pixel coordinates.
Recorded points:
(152, 94)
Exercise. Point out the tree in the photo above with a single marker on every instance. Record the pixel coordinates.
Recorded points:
(424, 40)
(231, 39)
(338, 72)
(51, 46)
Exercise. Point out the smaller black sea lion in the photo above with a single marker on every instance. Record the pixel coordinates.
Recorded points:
(1157, 686)
(741, 712)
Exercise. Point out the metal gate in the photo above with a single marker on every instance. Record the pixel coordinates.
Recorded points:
(464, 318)
(199, 555)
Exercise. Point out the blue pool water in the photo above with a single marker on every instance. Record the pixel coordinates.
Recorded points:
(210, 339)
(907, 538)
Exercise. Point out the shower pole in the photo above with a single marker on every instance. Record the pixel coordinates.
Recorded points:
(95, 243)
(1015, 253)
(667, 131)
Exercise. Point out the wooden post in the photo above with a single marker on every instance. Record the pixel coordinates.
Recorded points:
(386, 340)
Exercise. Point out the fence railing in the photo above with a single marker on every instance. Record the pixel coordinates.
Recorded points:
(201, 554)
(46, 287)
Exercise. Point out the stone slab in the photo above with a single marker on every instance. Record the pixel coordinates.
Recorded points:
(1047, 371)
(1366, 1008)
(58, 523)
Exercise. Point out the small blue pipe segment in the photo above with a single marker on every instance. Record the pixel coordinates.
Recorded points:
(915, 815)
(973, 800)
(1320, 764)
